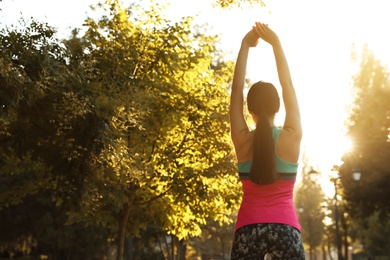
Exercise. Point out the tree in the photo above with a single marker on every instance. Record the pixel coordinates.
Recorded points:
(174, 155)
(309, 199)
(375, 236)
(121, 128)
(38, 227)
(368, 128)
(46, 138)
(214, 242)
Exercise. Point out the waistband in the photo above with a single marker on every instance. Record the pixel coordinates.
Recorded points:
(284, 176)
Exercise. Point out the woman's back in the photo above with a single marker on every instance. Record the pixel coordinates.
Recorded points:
(271, 203)
(287, 146)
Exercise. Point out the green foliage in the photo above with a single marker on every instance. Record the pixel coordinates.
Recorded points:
(309, 199)
(31, 80)
(46, 138)
(369, 125)
(238, 3)
(372, 233)
(215, 240)
(44, 231)
(169, 142)
(368, 129)
(123, 127)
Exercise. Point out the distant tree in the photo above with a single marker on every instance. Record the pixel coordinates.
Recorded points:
(46, 135)
(309, 199)
(215, 240)
(369, 130)
(39, 227)
(375, 236)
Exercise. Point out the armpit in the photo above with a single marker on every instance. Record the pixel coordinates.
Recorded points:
(243, 145)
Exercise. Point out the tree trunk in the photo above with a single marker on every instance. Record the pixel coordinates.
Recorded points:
(346, 245)
(323, 252)
(122, 225)
(182, 250)
(173, 242)
(329, 249)
(129, 248)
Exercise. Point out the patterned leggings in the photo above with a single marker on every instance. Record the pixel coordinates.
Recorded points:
(279, 241)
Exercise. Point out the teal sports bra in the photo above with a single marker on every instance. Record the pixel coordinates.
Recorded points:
(286, 170)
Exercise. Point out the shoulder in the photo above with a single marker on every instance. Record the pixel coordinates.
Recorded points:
(288, 145)
(243, 144)
(291, 134)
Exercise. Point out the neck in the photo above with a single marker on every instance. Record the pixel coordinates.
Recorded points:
(271, 119)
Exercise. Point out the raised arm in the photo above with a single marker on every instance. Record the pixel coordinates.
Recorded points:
(292, 123)
(237, 120)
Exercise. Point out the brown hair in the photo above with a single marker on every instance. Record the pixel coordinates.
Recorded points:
(263, 101)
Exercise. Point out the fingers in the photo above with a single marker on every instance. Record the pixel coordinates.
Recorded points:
(257, 30)
(261, 24)
(260, 27)
(262, 30)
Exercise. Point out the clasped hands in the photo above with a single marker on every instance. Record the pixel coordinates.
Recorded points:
(260, 30)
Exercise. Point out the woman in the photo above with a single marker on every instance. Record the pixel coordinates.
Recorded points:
(267, 223)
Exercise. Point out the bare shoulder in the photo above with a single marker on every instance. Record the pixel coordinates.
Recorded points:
(288, 145)
(243, 144)
(294, 135)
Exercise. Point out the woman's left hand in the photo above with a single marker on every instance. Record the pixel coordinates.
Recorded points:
(251, 39)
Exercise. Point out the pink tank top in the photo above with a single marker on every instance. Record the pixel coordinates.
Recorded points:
(271, 203)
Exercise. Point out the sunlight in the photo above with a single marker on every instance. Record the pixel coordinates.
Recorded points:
(325, 154)
(345, 145)
(317, 37)
(327, 186)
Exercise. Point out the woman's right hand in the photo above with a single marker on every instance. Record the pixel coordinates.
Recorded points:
(265, 33)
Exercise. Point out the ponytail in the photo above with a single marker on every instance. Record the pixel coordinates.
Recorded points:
(263, 162)
(263, 101)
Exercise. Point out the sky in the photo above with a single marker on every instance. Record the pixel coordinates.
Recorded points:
(317, 37)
